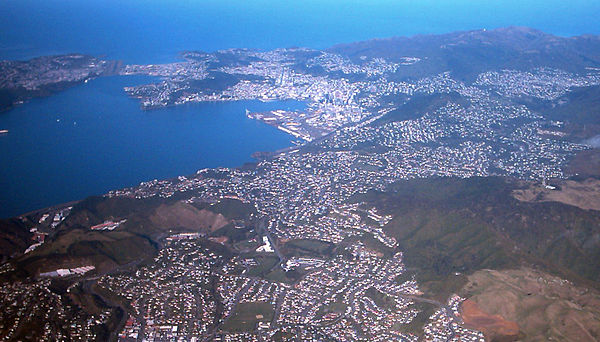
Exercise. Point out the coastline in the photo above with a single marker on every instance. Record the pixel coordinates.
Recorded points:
(46, 209)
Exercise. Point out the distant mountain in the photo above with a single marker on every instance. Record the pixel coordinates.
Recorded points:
(469, 53)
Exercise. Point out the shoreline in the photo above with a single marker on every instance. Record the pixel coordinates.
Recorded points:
(41, 210)
(254, 156)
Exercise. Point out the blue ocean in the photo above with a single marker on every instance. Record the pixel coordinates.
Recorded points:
(154, 31)
(92, 138)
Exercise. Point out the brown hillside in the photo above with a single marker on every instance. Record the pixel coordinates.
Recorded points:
(493, 326)
(183, 215)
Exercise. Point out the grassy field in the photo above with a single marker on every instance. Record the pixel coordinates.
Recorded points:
(279, 275)
(308, 247)
(381, 299)
(233, 209)
(337, 306)
(265, 264)
(247, 316)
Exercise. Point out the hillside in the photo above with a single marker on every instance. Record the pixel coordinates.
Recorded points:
(14, 238)
(544, 307)
(447, 226)
(138, 238)
(469, 53)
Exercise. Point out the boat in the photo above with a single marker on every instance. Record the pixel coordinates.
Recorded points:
(3, 131)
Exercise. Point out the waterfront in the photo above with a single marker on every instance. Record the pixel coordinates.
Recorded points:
(93, 138)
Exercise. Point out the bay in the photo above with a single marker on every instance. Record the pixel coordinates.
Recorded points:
(92, 138)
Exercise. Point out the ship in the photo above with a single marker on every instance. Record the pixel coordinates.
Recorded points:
(3, 131)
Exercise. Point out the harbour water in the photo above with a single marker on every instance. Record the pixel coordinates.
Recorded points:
(93, 138)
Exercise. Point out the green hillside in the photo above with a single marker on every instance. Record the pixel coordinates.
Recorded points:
(450, 226)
